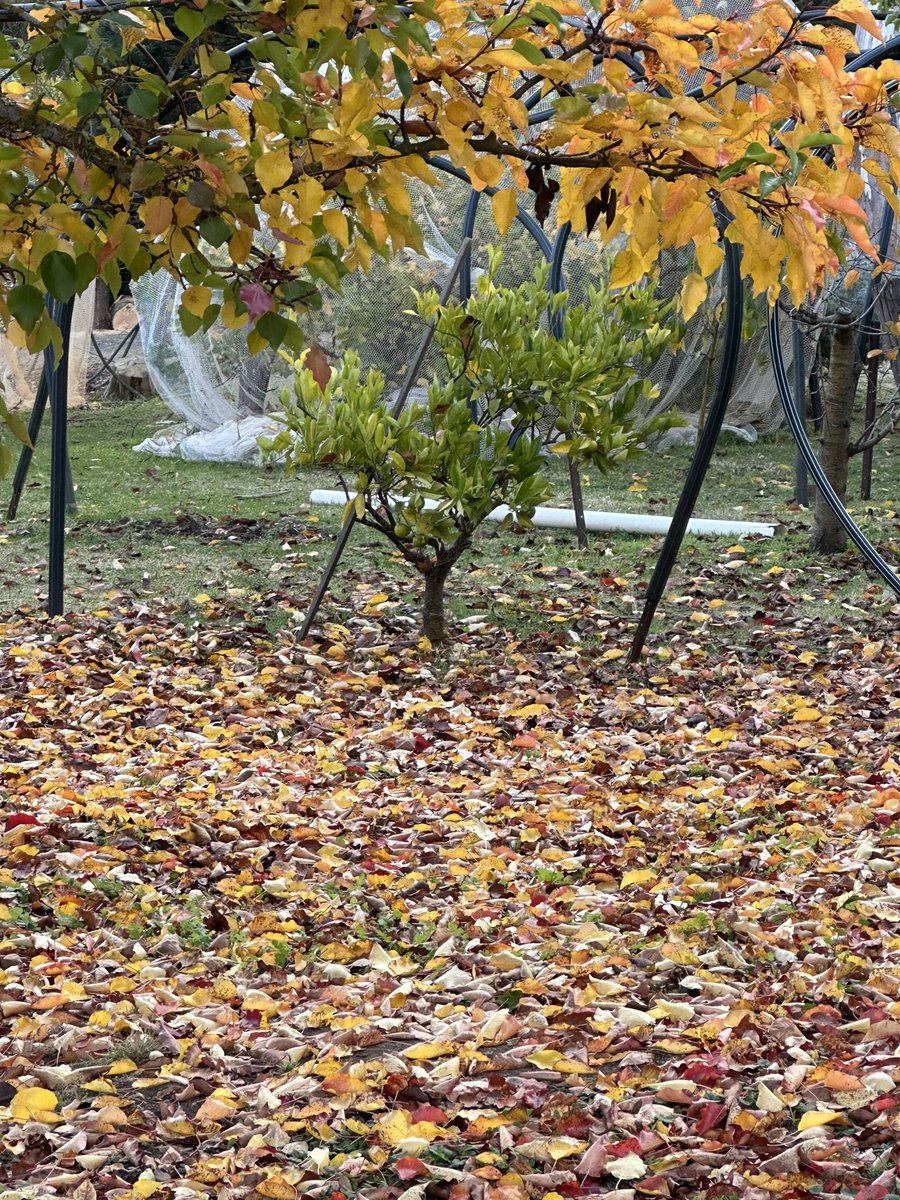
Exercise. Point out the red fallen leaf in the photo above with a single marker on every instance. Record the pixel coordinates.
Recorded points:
(885, 1102)
(654, 1185)
(14, 820)
(410, 1168)
(578, 1126)
(712, 1115)
(525, 741)
(619, 1149)
(428, 1112)
(702, 1072)
(879, 1188)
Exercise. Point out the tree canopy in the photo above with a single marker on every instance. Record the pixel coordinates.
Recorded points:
(133, 139)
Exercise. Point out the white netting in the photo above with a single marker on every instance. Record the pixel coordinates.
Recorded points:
(20, 372)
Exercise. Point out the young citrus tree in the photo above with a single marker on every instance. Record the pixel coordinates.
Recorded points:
(509, 387)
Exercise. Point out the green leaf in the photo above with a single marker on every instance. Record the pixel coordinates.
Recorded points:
(17, 427)
(26, 304)
(820, 139)
(142, 103)
(273, 327)
(769, 183)
(756, 153)
(215, 231)
(145, 174)
(60, 275)
(530, 51)
(190, 21)
(403, 77)
(87, 103)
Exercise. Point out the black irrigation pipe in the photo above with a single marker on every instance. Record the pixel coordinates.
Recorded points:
(814, 467)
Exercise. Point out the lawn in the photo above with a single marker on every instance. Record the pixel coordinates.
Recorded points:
(156, 528)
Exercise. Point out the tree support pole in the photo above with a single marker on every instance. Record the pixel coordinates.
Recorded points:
(57, 373)
(578, 504)
(27, 453)
(703, 454)
(801, 478)
(406, 387)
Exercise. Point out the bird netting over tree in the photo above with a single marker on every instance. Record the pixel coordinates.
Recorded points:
(222, 400)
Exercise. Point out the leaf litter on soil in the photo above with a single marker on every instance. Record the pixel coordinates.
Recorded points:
(325, 920)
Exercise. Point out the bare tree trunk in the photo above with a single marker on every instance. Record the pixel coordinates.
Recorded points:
(828, 535)
(103, 306)
(434, 621)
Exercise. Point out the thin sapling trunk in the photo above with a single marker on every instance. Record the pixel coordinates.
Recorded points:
(828, 535)
(434, 620)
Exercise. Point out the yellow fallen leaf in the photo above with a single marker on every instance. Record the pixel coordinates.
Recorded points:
(644, 876)
(34, 1104)
(276, 1187)
(427, 1050)
(394, 1128)
(546, 1060)
(122, 1066)
(810, 1120)
(121, 986)
(530, 710)
(807, 714)
(142, 1188)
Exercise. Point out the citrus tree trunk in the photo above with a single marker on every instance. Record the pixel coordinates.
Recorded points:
(434, 621)
(828, 535)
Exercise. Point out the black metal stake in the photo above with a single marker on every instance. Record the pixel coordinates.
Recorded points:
(703, 453)
(27, 452)
(801, 479)
(57, 373)
(578, 504)
(406, 387)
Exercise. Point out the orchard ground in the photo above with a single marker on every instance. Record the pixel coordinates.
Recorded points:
(152, 528)
(516, 922)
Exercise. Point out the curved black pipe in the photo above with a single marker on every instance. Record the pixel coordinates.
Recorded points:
(813, 465)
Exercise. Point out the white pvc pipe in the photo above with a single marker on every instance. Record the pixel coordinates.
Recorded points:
(599, 522)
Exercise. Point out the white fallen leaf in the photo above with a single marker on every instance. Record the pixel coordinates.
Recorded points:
(679, 1012)
(449, 1069)
(380, 960)
(453, 980)
(880, 1082)
(633, 1018)
(628, 1167)
(768, 1101)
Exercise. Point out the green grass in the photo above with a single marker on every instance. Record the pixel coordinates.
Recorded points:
(163, 529)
